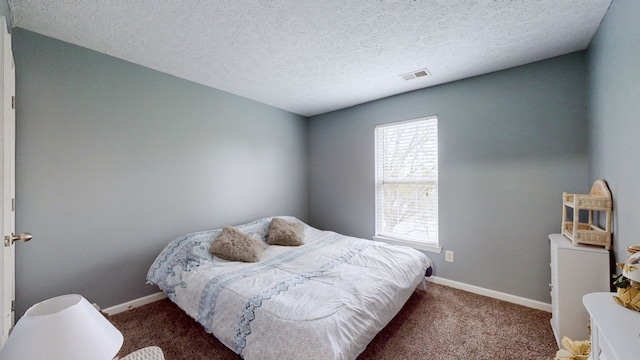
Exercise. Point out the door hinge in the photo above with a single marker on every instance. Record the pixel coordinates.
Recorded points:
(13, 101)
(13, 305)
(13, 204)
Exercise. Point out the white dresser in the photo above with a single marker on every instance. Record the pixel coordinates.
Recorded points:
(615, 330)
(576, 270)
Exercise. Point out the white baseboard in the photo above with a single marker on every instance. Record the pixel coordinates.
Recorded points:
(134, 303)
(534, 304)
(434, 279)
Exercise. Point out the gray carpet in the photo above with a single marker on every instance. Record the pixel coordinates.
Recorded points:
(440, 323)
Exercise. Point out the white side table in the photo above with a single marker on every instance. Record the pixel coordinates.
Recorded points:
(576, 270)
(615, 330)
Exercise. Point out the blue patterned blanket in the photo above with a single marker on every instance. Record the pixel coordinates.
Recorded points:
(325, 299)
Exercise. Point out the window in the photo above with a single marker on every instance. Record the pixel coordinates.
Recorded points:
(407, 183)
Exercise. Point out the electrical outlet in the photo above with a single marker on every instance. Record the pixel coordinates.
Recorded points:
(448, 256)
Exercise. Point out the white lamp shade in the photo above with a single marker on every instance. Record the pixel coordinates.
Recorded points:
(65, 327)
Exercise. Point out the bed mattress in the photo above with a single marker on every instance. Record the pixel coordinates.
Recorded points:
(326, 299)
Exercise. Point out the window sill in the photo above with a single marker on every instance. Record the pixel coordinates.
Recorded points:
(413, 244)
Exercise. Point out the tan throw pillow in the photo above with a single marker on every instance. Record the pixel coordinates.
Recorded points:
(287, 233)
(232, 244)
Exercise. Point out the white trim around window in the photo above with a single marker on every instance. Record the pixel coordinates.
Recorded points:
(418, 245)
(406, 178)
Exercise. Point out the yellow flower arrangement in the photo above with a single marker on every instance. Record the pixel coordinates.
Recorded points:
(574, 350)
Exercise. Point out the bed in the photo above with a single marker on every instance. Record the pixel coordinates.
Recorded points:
(325, 299)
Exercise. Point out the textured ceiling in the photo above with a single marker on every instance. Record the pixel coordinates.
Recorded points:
(311, 57)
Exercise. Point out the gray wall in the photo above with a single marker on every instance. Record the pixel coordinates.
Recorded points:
(510, 143)
(115, 160)
(614, 69)
(4, 11)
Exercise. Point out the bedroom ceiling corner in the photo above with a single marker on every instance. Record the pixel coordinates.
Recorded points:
(314, 57)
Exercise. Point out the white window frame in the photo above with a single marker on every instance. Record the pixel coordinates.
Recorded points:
(428, 244)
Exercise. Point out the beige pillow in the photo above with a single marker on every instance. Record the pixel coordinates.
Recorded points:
(232, 244)
(287, 233)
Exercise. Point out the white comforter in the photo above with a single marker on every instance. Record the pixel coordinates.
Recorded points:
(326, 299)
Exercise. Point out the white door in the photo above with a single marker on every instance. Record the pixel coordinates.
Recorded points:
(7, 129)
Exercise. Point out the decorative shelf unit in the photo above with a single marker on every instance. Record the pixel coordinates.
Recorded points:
(598, 200)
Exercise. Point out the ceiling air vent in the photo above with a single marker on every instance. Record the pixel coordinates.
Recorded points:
(415, 74)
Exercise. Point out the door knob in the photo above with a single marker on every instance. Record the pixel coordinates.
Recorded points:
(10, 239)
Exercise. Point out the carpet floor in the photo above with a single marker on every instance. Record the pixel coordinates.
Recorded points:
(439, 323)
